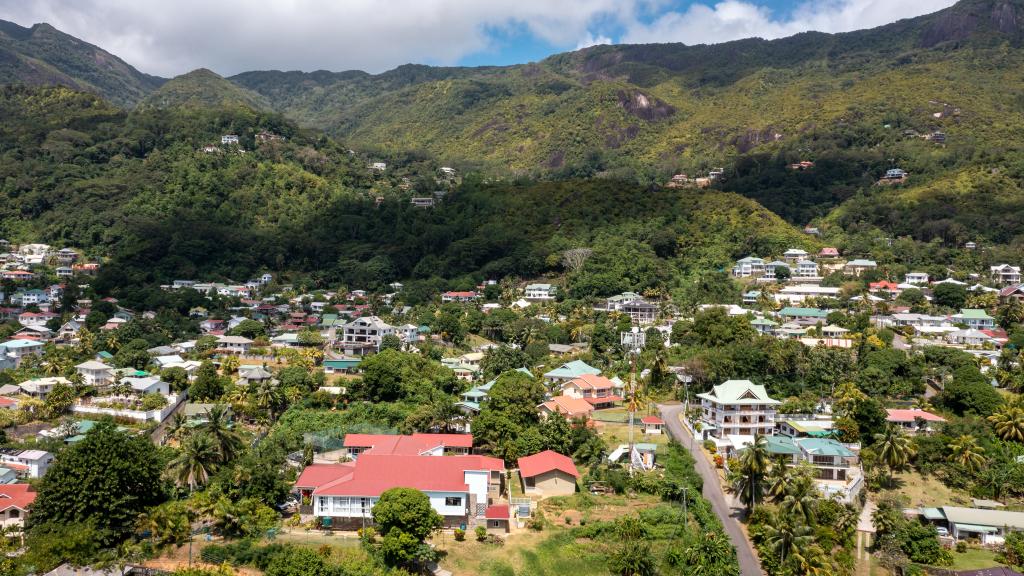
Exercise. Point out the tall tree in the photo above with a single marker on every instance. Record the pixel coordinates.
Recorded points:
(217, 425)
(107, 479)
(965, 451)
(196, 461)
(893, 448)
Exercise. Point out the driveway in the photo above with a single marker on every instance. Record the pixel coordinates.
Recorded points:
(749, 566)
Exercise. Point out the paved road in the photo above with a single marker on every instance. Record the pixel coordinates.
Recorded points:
(749, 566)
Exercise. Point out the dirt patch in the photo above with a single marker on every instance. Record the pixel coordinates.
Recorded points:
(556, 159)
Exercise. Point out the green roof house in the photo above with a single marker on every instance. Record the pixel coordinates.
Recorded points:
(571, 370)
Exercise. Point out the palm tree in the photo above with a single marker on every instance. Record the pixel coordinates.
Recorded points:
(754, 464)
(224, 439)
(964, 450)
(787, 537)
(893, 448)
(195, 463)
(810, 561)
(176, 426)
(779, 478)
(268, 397)
(801, 497)
(1009, 422)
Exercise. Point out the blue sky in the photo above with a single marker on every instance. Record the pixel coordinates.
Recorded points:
(231, 36)
(518, 45)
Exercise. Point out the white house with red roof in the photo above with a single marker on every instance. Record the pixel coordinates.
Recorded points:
(597, 390)
(548, 473)
(14, 502)
(460, 488)
(408, 445)
(456, 296)
(652, 424)
(914, 419)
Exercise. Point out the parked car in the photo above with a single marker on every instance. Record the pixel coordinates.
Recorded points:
(942, 531)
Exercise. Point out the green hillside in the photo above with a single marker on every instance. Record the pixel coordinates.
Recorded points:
(202, 89)
(649, 110)
(42, 55)
(136, 187)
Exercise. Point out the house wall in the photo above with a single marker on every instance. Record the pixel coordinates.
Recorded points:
(437, 502)
(552, 483)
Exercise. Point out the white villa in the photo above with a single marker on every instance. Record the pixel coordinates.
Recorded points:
(95, 373)
(367, 331)
(540, 292)
(1004, 274)
(737, 407)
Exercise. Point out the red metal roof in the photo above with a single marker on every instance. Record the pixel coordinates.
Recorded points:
(546, 461)
(410, 445)
(373, 474)
(16, 496)
(319, 474)
(909, 415)
(497, 512)
(651, 420)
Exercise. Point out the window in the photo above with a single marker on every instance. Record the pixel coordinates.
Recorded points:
(453, 501)
(15, 513)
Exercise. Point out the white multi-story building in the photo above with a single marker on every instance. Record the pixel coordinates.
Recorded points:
(368, 330)
(917, 278)
(797, 293)
(95, 373)
(737, 407)
(747, 267)
(1004, 274)
(806, 269)
(34, 463)
(540, 292)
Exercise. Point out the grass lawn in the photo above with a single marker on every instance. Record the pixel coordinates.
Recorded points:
(550, 552)
(974, 559)
(615, 434)
(926, 491)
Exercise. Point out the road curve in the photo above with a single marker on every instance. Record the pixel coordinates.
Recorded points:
(749, 566)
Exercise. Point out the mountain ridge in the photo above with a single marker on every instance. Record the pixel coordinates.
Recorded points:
(43, 55)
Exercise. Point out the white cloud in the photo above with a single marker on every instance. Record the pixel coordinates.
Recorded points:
(169, 37)
(735, 19)
(592, 40)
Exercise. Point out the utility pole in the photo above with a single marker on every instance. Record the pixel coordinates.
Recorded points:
(633, 357)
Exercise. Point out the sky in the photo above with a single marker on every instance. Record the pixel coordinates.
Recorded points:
(171, 37)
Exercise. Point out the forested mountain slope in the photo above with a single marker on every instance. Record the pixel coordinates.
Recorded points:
(138, 187)
(43, 55)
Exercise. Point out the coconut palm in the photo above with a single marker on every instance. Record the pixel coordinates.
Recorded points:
(810, 561)
(177, 425)
(217, 426)
(779, 478)
(964, 450)
(1009, 422)
(800, 500)
(787, 537)
(754, 463)
(196, 461)
(267, 396)
(893, 448)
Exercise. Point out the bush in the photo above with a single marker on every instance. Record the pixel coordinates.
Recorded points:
(961, 547)
(536, 522)
(481, 533)
(214, 554)
(460, 534)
